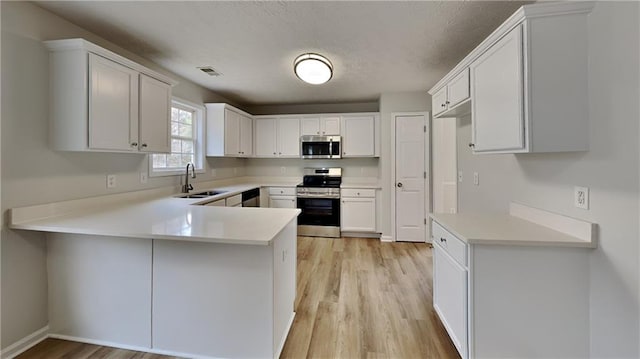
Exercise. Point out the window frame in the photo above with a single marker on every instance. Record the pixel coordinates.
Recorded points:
(198, 138)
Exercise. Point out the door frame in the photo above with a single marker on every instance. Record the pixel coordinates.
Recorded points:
(427, 167)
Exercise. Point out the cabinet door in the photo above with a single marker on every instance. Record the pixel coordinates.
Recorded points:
(458, 89)
(231, 133)
(497, 96)
(218, 203)
(282, 202)
(358, 136)
(450, 297)
(155, 115)
(310, 127)
(289, 137)
(330, 126)
(246, 136)
(113, 105)
(358, 214)
(439, 101)
(266, 137)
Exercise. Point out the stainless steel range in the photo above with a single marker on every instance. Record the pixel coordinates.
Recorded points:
(318, 197)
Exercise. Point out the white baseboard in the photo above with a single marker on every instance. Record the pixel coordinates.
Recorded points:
(25, 343)
(386, 239)
(360, 234)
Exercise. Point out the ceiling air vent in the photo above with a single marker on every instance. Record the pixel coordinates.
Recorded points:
(209, 71)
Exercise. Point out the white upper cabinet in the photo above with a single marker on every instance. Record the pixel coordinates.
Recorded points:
(452, 98)
(155, 109)
(277, 136)
(497, 107)
(527, 81)
(326, 125)
(229, 131)
(101, 101)
(359, 135)
(289, 137)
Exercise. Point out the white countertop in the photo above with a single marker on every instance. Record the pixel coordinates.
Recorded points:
(171, 218)
(503, 229)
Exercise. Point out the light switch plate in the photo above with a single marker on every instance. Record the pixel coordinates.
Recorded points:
(581, 197)
(143, 177)
(476, 178)
(460, 176)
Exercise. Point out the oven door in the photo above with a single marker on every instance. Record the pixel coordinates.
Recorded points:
(319, 212)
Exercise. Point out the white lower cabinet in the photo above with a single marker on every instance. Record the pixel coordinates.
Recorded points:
(282, 197)
(510, 301)
(450, 296)
(234, 201)
(358, 210)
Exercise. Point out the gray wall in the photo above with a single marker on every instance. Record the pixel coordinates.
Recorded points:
(34, 174)
(393, 103)
(610, 169)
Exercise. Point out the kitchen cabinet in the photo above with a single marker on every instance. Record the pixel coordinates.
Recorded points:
(229, 131)
(100, 101)
(234, 201)
(451, 99)
(527, 81)
(282, 197)
(360, 134)
(277, 136)
(503, 282)
(358, 210)
(325, 125)
(218, 203)
(450, 287)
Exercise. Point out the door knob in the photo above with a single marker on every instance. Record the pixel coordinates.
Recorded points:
(399, 184)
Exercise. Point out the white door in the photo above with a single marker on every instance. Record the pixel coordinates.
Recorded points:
(155, 118)
(445, 171)
(410, 178)
(289, 137)
(266, 137)
(113, 105)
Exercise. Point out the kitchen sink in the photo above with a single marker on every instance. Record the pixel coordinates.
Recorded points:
(204, 194)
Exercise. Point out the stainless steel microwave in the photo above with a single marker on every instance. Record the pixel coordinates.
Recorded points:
(320, 147)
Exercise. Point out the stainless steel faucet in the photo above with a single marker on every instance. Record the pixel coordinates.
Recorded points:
(186, 187)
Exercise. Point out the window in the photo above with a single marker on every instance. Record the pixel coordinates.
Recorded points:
(186, 141)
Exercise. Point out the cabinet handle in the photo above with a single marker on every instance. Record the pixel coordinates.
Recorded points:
(447, 102)
(443, 105)
(317, 133)
(443, 240)
(399, 184)
(144, 145)
(358, 193)
(472, 145)
(279, 153)
(274, 153)
(134, 144)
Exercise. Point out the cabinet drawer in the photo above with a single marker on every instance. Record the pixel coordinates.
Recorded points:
(450, 243)
(234, 201)
(282, 191)
(354, 192)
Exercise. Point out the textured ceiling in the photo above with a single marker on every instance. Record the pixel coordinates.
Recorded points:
(375, 47)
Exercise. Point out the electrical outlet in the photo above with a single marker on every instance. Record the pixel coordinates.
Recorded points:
(581, 197)
(476, 178)
(460, 176)
(213, 172)
(143, 177)
(111, 181)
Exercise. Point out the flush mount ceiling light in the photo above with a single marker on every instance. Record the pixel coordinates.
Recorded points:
(313, 68)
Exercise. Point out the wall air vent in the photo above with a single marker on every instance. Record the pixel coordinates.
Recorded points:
(209, 71)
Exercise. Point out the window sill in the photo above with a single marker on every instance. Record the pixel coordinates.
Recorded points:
(173, 172)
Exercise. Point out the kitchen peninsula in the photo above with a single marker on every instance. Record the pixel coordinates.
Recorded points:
(166, 276)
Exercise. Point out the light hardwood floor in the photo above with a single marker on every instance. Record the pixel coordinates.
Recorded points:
(356, 298)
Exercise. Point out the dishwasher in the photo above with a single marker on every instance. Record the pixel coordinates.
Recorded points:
(251, 198)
